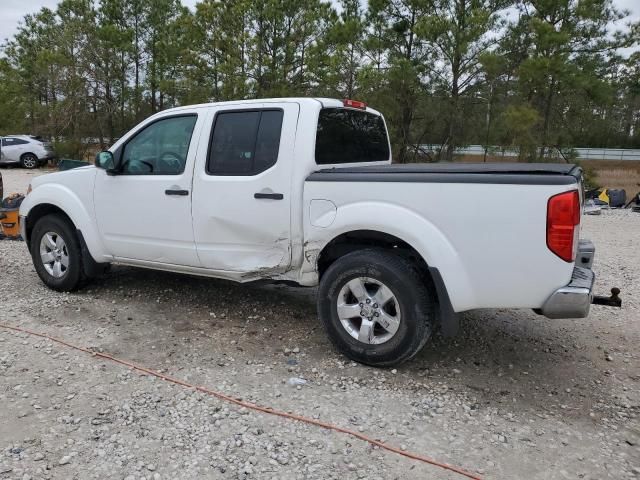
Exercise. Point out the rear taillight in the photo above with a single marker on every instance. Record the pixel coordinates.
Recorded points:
(563, 220)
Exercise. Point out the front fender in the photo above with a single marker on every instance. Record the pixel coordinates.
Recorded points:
(407, 225)
(64, 198)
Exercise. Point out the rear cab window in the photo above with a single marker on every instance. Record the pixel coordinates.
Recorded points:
(347, 135)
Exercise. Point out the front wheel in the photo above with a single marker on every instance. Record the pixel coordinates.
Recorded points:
(56, 253)
(377, 308)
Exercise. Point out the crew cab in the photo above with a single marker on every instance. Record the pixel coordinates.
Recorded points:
(303, 190)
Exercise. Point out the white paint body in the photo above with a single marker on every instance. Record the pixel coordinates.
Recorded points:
(487, 241)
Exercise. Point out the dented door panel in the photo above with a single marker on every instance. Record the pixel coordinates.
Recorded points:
(242, 222)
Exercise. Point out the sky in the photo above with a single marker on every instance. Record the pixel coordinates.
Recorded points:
(12, 11)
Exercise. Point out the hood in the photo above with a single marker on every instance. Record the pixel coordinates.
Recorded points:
(62, 177)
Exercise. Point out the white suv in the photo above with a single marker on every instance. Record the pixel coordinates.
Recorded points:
(26, 150)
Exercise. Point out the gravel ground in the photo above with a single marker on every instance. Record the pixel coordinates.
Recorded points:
(515, 395)
(16, 180)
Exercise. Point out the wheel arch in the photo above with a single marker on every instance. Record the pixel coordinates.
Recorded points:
(354, 240)
(56, 198)
(357, 239)
(433, 245)
(90, 266)
(37, 212)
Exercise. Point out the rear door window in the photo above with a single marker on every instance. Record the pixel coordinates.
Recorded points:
(244, 142)
(9, 142)
(350, 136)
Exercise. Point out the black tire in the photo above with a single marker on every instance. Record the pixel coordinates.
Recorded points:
(412, 289)
(73, 277)
(29, 160)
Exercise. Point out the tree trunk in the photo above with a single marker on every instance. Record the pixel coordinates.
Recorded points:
(406, 118)
(406, 110)
(352, 72)
(216, 80)
(547, 119)
(136, 53)
(123, 88)
(109, 102)
(452, 133)
(456, 67)
(259, 62)
(153, 79)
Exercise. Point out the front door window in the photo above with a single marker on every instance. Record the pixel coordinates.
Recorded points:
(159, 149)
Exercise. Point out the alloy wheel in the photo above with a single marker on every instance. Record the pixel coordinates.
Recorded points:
(368, 310)
(54, 254)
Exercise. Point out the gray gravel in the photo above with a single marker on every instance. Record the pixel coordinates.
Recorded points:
(514, 396)
(16, 180)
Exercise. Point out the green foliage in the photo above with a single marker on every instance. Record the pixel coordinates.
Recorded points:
(71, 149)
(444, 72)
(13, 110)
(562, 48)
(518, 126)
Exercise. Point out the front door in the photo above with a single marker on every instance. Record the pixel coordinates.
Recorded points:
(241, 190)
(144, 213)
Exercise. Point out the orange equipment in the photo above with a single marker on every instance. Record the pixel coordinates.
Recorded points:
(9, 216)
(9, 222)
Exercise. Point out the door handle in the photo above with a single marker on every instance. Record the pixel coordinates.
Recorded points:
(181, 193)
(272, 196)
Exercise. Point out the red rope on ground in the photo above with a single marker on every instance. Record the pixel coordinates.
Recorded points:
(249, 405)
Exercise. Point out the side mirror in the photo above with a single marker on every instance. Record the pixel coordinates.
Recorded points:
(105, 160)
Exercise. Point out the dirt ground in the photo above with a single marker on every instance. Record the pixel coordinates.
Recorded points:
(514, 396)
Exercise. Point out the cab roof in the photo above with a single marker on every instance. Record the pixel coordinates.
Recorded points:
(324, 102)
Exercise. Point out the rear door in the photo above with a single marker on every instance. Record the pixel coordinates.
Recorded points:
(13, 148)
(241, 201)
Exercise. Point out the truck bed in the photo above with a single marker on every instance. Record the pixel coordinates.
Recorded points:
(482, 225)
(489, 173)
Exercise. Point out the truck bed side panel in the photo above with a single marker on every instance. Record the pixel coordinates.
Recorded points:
(487, 239)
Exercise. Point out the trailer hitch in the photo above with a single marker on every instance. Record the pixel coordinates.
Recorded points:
(613, 301)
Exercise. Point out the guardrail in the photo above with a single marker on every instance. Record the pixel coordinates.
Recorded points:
(608, 154)
(618, 154)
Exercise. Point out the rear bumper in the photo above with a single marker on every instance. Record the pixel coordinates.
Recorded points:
(573, 300)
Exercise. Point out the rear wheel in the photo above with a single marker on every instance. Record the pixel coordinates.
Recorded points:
(376, 307)
(56, 253)
(29, 160)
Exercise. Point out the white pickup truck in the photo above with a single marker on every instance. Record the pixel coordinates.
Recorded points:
(303, 190)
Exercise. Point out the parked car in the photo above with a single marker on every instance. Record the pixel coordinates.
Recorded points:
(26, 150)
(303, 190)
